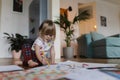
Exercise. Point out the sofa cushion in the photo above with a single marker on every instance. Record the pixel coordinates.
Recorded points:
(109, 41)
(96, 36)
(88, 45)
(106, 52)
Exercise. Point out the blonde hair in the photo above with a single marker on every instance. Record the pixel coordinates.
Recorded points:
(47, 28)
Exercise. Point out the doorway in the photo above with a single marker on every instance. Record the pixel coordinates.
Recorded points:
(89, 25)
(37, 14)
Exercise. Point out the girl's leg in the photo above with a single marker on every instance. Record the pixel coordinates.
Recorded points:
(34, 58)
(32, 63)
(26, 54)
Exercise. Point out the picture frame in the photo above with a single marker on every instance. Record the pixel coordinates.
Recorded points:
(18, 5)
(103, 21)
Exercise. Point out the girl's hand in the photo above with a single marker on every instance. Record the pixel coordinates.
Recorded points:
(53, 62)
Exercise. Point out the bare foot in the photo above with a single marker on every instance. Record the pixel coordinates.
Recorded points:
(32, 63)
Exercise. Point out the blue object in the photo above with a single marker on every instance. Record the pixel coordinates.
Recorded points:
(95, 45)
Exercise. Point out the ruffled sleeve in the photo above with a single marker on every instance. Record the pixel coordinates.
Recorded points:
(37, 42)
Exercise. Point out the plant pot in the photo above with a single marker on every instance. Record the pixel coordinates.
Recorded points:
(16, 55)
(68, 52)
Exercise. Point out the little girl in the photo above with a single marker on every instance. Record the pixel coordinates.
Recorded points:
(43, 46)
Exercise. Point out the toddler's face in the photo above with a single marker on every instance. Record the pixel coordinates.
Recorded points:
(48, 37)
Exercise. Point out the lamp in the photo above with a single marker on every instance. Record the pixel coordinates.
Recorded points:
(95, 27)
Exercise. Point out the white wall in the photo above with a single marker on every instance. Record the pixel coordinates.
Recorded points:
(112, 14)
(15, 22)
(109, 10)
(12, 22)
(0, 14)
(74, 4)
(54, 14)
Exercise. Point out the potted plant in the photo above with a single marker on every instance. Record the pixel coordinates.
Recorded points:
(67, 25)
(16, 41)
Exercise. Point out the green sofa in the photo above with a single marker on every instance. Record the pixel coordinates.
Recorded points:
(95, 45)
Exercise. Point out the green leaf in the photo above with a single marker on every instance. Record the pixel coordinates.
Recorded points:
(15, 40)
(65, 24)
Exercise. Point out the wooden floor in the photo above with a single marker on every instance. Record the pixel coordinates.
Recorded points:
(8, 61)
(115, 61)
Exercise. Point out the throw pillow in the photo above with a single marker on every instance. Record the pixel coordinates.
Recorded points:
(96, 36)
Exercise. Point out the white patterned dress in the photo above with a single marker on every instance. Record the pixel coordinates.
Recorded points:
(43, 46)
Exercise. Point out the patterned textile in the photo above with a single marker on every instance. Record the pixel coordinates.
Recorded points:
(39, 73)
(28, 54)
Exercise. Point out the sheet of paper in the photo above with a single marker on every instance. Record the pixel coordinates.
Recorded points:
(87, 64)
(10, 68)
(90, 75)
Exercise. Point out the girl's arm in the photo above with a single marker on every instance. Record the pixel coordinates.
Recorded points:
(52, 53)
(39, 57)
